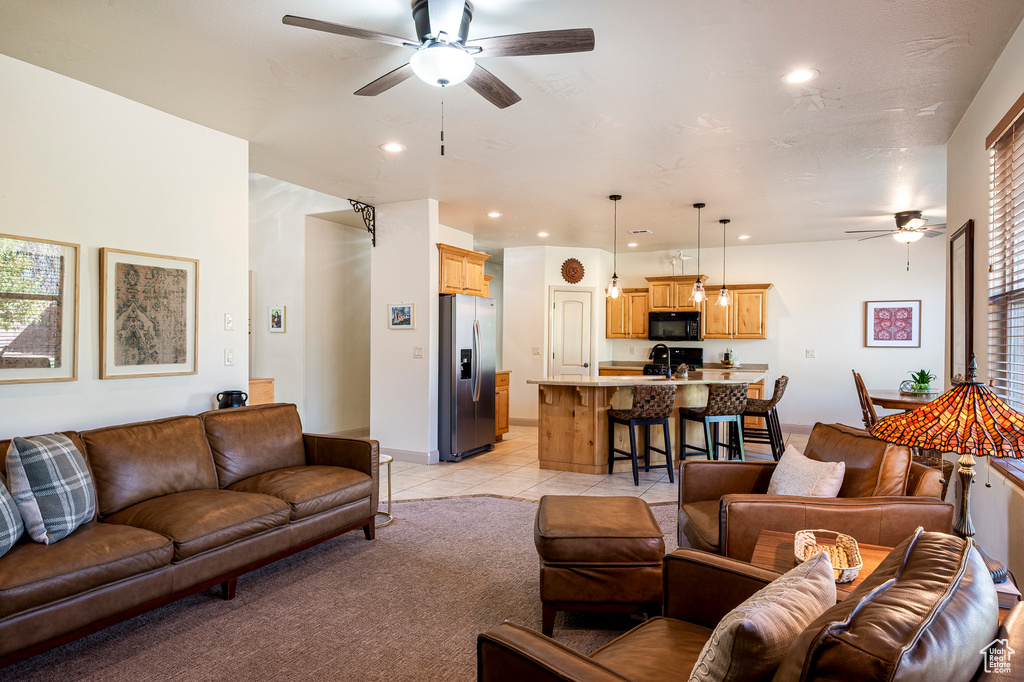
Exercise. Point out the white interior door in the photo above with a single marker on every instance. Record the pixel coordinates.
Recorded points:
(571, 352)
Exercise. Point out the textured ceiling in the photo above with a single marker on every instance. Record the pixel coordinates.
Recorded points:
(679, 102)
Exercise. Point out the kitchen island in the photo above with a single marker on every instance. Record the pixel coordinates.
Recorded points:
(573, 412)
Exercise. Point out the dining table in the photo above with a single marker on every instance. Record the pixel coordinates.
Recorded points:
(894, 399)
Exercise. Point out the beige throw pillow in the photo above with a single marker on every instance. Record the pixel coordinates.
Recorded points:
(752, 639)
(798, 475)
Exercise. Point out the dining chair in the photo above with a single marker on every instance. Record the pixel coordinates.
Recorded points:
(867, 408)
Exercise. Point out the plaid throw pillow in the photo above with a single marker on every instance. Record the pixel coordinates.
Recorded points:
(51, 485)
(11, 526)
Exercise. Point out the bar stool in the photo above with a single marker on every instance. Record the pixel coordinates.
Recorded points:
(765, 409)
(726, 403)
(651, 405)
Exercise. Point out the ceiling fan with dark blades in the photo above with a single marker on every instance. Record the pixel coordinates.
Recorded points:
(910, 226)
(444, 55)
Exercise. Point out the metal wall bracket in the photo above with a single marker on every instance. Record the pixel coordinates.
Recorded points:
(369, 215)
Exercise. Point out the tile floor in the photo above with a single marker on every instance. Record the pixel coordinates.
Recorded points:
(512, 471)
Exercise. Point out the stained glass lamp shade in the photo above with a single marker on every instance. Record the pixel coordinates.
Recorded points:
(968, 420)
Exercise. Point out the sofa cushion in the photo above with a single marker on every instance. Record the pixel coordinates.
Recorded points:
(51, 485)
(310, 490)
(924, 614)
(874, 468)
(798, 475)
(751, 640)
(96, 554)
(137, 462)
(658, 649)
(701, 525)
(252, 440)
(11, 525)
(201, 520)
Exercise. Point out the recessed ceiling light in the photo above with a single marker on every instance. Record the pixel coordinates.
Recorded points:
(800, 76)
(743, 236)
(493, 214)
(632, 244)
(542, 234)
(393, 147)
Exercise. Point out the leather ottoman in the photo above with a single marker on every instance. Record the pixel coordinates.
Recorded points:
(598, 554)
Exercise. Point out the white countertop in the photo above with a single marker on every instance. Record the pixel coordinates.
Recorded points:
(707, 376)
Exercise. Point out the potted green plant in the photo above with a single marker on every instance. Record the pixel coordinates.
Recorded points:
(922, 380)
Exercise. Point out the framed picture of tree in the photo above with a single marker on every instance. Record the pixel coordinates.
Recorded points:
(38, 310)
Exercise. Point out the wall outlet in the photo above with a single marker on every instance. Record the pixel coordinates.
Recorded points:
(229, 357)
(809, 353)
(536, 350)
(632, 350)
(229, 322)
(417, 351)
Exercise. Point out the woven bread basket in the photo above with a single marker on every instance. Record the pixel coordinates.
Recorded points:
(841, 549)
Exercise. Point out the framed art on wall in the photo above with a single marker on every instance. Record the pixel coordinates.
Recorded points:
(276, 318)
(148, 314)
(892, 324)
(38, 310)
(961, 298)
(401, 316)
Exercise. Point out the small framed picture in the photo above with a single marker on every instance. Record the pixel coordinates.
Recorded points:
(892, 324)
(401, 316)
(276, 317)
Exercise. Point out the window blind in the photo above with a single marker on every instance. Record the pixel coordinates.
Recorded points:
(1006, 264)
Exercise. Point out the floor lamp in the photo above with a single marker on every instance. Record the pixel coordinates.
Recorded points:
(969, 420)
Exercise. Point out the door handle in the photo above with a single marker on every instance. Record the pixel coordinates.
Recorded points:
(476, 360)
(586, 365)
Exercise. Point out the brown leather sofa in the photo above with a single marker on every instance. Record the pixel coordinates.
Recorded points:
(926, 613)
(184, 504)
(723, 506)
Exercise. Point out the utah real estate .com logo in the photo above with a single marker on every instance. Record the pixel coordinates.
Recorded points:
(997, 654)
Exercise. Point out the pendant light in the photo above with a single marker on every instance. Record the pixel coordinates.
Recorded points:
(697, 294)
(614, 290)
(723, 295)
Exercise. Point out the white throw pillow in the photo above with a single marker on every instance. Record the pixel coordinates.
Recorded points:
(750, 642)
(798, 475)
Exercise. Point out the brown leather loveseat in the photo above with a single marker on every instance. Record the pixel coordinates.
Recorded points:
(928, 612)
(183, 504)
(723, 506)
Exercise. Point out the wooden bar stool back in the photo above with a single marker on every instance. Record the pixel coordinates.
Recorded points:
(726, 403)
(765, 409)
(652, 404)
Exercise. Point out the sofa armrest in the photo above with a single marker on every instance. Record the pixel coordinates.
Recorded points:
(1012, 630)
(924, 481)
(884, 521)
(709, 480)
(512, 652)
(727, 583)
(355, 453)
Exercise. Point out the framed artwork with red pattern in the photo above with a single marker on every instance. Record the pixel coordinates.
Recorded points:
(892, 324)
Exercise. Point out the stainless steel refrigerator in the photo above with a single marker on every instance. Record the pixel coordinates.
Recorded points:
(465, 378)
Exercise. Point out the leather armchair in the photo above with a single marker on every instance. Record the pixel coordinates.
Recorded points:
(723, 506)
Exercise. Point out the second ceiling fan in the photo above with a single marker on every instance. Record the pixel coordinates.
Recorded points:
(444, 54)
(910, 226)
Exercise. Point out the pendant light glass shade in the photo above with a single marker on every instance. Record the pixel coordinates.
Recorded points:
(723, 294)
(697, 294)
(614, 290)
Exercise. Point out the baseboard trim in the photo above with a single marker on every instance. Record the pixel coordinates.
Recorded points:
(362, 432)
(413, 456)
(797, 428)
(521, 421)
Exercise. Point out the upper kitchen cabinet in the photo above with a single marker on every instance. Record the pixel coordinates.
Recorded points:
(670, 293)
(746, 317)
(626, 316)
(462, 271)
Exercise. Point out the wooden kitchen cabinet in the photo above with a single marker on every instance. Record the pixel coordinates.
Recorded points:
(755, 392)
(621, 372)
(501, 403)
(462, 271)
(671, 293)
(487, 285)
(626, 316)
(746, 316)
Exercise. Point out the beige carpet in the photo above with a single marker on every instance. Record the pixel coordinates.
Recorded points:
(407, 606)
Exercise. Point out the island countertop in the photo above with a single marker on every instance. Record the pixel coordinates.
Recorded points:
(698, 377)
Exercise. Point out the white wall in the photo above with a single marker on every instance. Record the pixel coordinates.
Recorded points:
(496, 291)
(82, 165)
(277, 258)
(998, 511)
(337, 334)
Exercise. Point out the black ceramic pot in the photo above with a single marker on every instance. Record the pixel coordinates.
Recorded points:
(232, 399)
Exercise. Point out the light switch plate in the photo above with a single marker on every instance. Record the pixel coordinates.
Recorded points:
(229, 322)
(229, 357)
(417, 351)
(536, 350)
(809, 353)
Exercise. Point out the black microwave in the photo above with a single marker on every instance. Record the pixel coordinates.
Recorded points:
(678, 326)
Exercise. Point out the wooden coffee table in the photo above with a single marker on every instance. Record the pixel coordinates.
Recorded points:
(774, 551)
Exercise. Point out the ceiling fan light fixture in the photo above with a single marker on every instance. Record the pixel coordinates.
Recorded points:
(800, 76)
(442, 64)
(393, 147)
(907, 236)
